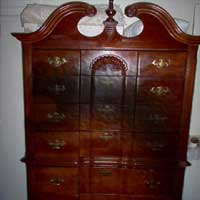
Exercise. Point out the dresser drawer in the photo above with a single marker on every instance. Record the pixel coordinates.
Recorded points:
(53, 90)
(56, 146)
(148, 118)
(106, 117)
(151, 181)
(156, 146)
(100, 197)
(157, 91)
(166, 64)
(123, 197)
(55, 197)
(140, 182)
(55, 116)
(107, 143)
(55, 181)
(101, 180)
(55, 64)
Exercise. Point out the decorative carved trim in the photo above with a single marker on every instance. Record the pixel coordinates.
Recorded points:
(102, 62)
(138, 9)
(133, 163)
(84, 9)
(110, 11)
(110, 23)
(55, 18)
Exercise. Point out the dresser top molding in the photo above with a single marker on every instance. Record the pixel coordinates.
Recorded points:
(66, 17)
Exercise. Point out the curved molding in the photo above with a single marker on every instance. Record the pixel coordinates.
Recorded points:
(118, 64)
(85, 9)
(54, 19)
(138, 9)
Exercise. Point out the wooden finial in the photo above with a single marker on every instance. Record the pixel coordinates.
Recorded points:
(111, 4)
(110, 23)
(110, 11)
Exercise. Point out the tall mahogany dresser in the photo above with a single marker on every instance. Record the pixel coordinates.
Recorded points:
(107, 117)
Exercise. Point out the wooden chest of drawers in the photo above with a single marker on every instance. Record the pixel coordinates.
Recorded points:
(107, 117)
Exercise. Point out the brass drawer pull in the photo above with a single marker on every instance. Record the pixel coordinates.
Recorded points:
(107, 83)
(105, 109)
(57, 89)
(57, 181)
(160, 90)
(157, 147)
(152, 184)
(57, 61)
(161, 63)
(106, 136)
(57, 144)
(105, 173)
(56, 117)
(137, 163)
(157, 117)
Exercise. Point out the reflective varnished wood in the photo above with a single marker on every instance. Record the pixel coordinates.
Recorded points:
(107, 117)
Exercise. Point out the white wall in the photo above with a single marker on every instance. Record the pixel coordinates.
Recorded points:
(13, 178)
(13, 185)
(177, 8)
(195, 125)
(192, 176)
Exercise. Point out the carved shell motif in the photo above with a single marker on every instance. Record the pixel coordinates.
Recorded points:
(113, 62)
